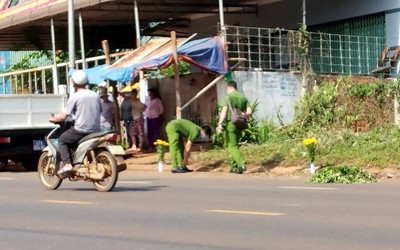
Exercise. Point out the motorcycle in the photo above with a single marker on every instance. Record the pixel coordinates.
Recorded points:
(95, 160)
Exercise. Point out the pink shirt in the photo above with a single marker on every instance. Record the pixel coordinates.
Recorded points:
(154, 108)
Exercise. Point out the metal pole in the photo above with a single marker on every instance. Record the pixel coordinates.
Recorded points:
(221, 19)
(137, 26)
(55, 71)
(84, 66)
(71, 34)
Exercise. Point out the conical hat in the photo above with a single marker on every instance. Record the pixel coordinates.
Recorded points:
(126, 89)
(135, 85)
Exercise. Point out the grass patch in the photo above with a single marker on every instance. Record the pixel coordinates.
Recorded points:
(352, 122)
(377, 148)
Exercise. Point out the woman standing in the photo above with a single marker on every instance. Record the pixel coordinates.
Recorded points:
(137, 125)
(154, 111)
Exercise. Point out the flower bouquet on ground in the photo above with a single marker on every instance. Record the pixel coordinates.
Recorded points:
(311, 145)
(161, 149)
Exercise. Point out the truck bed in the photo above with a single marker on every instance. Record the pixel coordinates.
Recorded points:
(24, 124)
(29, 111)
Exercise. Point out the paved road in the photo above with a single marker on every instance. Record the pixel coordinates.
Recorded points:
(150, 210)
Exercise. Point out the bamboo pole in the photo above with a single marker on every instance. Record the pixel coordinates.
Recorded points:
(177, 79)
(113, 84)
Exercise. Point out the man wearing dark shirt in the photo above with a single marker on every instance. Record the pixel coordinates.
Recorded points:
(126, 114)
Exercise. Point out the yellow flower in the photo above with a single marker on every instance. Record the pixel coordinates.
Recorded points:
(309, 141)
(310, 144)
(161, 148)
(160, 142)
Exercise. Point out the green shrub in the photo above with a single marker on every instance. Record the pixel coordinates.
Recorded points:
(342, 174)
(254, 134)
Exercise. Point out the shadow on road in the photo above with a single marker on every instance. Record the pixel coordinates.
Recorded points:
(118, 189)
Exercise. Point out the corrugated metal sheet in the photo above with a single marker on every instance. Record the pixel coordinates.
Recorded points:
(152, 49)
(18, 56)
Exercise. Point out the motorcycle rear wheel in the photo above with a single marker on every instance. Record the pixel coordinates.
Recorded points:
(47, 174)
(111, 175)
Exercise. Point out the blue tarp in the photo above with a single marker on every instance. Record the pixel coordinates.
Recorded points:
(94, 74)
(206, 53)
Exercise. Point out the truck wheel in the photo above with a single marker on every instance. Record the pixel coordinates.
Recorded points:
(111, 174)
(47, 172)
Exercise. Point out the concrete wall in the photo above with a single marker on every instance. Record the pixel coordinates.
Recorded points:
(277, 93)
(393, 28)
(331, 10)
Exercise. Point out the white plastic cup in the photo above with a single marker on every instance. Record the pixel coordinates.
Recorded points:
(312, 168)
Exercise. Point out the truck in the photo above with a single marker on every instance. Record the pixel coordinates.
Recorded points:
(27, 99)
(24, 126)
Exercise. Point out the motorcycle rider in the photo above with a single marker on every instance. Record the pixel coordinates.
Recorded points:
(85, 106)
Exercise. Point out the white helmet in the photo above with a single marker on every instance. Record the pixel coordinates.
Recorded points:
(79, 77)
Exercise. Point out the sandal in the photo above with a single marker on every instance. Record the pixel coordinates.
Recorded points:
(131, 150)
(67, 168)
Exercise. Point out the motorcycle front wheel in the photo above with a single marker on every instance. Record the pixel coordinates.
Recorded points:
(111, 174)
(47, 172)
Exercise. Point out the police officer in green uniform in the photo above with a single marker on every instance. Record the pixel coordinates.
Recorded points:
(240, 102)
(179, 153)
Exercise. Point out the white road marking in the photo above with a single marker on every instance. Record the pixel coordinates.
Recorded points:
(69, 202)
(308, 188)
(244, 212)
(293, 205)
(6, 179)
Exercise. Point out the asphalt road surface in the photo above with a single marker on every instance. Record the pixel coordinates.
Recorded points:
(150, 210)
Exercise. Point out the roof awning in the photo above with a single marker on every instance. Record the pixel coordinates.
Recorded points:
(26, 26)
(207, 53)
